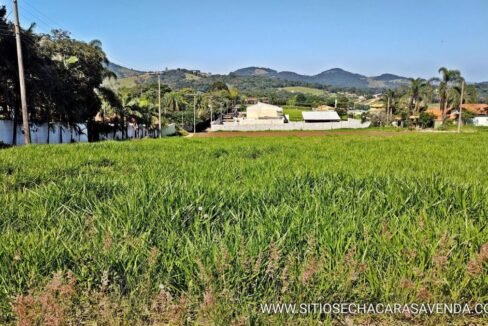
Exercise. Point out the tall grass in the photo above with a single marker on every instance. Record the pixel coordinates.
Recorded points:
(204, 230)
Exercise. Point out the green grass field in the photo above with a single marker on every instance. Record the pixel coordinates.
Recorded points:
(295, 112)
(206, 230)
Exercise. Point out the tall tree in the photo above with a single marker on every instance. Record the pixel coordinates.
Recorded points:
(416, 88)
(389, 99)
(174, 101)
(448, 79)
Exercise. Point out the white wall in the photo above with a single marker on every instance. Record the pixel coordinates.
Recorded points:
(349, 124)
(247, 121)
(169, 130)
(480, 121)
(39, 133)
(133, 132)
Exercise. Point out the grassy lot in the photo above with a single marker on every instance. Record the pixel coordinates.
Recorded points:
(205, 230)
(304, 90)
(295, 112)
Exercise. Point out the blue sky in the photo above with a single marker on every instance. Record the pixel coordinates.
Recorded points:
(409, 37)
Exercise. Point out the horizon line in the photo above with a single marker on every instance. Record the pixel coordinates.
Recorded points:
(279, 71)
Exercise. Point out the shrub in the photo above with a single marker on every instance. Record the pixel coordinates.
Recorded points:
(426, 120)
(3, 145)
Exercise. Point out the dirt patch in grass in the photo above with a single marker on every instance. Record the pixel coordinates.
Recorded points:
(228, 134)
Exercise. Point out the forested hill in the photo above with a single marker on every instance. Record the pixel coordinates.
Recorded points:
(123, 72)
(250, 78)
(333, 77)
(183, 78)
(482, 89)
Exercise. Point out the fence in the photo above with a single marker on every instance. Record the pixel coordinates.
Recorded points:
(139, 132)
(58, 133)
(349, 124)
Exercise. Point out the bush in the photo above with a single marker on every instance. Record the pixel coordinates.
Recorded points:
(442, 127)
(181, 132)
(341, 112)
(3, 145)
(426, 120)
(378, 120)
(467, 116)
(364, 117)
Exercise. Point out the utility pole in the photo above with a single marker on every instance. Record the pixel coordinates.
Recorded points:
(194, 114)
(388, 111)
(211, 115)
(460, 108)
(20, 60)
(159, 100)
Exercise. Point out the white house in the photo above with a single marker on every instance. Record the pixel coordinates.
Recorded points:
(263, 116)
(264, 111)
(259, 114)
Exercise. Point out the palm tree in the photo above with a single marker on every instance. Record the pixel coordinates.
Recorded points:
(147, 115)
(416, 89)
(131, 109)
(175, 101)
(389, 100)
(454, 96)
(448, 79)
(110, 103)
(234, 95)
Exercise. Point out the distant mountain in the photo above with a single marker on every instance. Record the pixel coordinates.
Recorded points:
(293, 76)
(339, 77)
(333, 77)
(482, 90)
(388, 77)
(255, 71)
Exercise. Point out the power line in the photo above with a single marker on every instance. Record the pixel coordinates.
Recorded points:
(23, 39)
(35, 18)
(48, 18)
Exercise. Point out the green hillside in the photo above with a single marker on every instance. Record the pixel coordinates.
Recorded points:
(305, 90)
(123, 72)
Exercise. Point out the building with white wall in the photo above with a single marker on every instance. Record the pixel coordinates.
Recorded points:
(480, 121)
(258, 114)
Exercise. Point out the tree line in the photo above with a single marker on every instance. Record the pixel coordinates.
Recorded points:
(63, 76)
(414, 99)
(65, 84)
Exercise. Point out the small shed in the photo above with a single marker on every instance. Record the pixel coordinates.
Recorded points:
(320, 116)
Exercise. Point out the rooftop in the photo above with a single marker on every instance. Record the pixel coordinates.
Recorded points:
(320, 116)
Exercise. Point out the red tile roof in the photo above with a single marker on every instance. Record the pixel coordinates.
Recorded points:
(478, 108)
